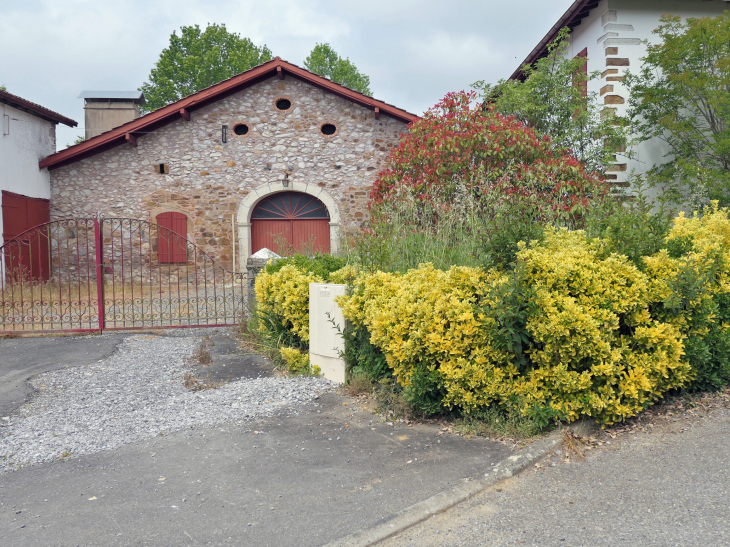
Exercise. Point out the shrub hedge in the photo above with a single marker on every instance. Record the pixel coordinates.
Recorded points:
(573, 330)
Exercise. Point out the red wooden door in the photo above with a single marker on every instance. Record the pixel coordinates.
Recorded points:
(172, 245)
(30, 258)
(290, 222)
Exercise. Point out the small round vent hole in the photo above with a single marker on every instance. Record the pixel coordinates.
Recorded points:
(240, 129)
(328, 129)
(283, 104)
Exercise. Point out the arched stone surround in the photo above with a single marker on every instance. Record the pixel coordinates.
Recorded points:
(246, 208)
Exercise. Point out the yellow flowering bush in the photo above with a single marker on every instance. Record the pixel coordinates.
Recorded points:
(592, 348)
(572, 331)
(596, 350)
(284, 296)
(297, 362)
(426, 320)
(690, 289)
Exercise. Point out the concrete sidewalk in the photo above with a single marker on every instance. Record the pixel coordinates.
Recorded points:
(302, 480)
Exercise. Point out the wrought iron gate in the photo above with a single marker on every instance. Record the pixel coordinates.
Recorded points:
(92, 274)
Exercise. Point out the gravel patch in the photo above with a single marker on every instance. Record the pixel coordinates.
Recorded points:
(136, 394)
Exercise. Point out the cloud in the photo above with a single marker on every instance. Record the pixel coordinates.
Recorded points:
(413, 51)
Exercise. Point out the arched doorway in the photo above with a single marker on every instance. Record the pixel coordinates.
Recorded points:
(287, 222)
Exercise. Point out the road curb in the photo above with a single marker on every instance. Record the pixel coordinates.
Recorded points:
(442, 501)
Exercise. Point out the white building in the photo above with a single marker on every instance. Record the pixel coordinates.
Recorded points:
(28, 135)
(611, 34)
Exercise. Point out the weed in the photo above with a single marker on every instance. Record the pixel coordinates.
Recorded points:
(202, 352)
(390, 399)
(574, 444)
(358, 384)
(194, 384)
(496, 422)
(65, 454)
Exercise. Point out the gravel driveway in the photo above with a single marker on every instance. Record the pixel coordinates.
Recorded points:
(662, 486)
(136, 394)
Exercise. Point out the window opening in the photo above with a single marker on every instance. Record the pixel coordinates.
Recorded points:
(283, 104)
(328, 129)
(240, 129)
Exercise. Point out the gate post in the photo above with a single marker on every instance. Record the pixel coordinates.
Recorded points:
(98, 244)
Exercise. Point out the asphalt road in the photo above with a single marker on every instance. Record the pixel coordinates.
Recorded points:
(666, 486)
(22, 358)
(301, 480)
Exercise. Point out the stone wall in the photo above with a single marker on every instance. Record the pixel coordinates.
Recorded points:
(207, 179)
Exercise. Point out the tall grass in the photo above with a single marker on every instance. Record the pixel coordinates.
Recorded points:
(407, 230)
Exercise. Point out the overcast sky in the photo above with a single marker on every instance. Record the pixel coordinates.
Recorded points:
(414, 51)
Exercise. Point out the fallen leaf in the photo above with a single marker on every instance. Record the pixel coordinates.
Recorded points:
(92, 498)
(161, 479)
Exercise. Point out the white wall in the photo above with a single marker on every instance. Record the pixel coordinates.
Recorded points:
(30, 138)
(625, 24)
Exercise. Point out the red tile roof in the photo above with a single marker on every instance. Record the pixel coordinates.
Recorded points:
(183, 107)
(35, 109)
(571, 19)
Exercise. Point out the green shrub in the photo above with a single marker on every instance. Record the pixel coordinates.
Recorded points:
(691, 290)
(321, 265)
(571, 329)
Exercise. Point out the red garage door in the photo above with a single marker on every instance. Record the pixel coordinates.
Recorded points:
(21, 213)
(290, 222)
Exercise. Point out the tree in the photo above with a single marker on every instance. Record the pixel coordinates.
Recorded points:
(681, 96)
(3, 88)
(458, 143)
(517, 180)
(196, 60)
(552, 99)
(325, 61)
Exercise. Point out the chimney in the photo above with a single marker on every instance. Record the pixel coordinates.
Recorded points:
(105, 110)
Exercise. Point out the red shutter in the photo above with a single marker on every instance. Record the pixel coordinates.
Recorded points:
(583, 82)
(172, 245)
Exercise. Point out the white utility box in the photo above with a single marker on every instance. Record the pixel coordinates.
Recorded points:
(325, 342)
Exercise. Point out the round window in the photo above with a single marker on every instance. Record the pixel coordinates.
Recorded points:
(283, 104)
(328, 129)
(240, 129)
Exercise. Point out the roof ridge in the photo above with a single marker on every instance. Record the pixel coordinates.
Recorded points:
(173, 111)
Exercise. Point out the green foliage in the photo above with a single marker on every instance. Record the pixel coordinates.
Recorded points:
(198, 59)
(407, 231)
(504, 314)
(498, 422)
(321, 265)
(3, 88)
(325, 61)
(574, 328)
(634, 226)
(693, 293)
(681, 97)
(552, 101)
(77, 140)
(426, 391)
(362, 357)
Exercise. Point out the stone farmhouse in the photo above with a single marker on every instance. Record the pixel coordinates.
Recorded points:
(276, 157)
(611, 35)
